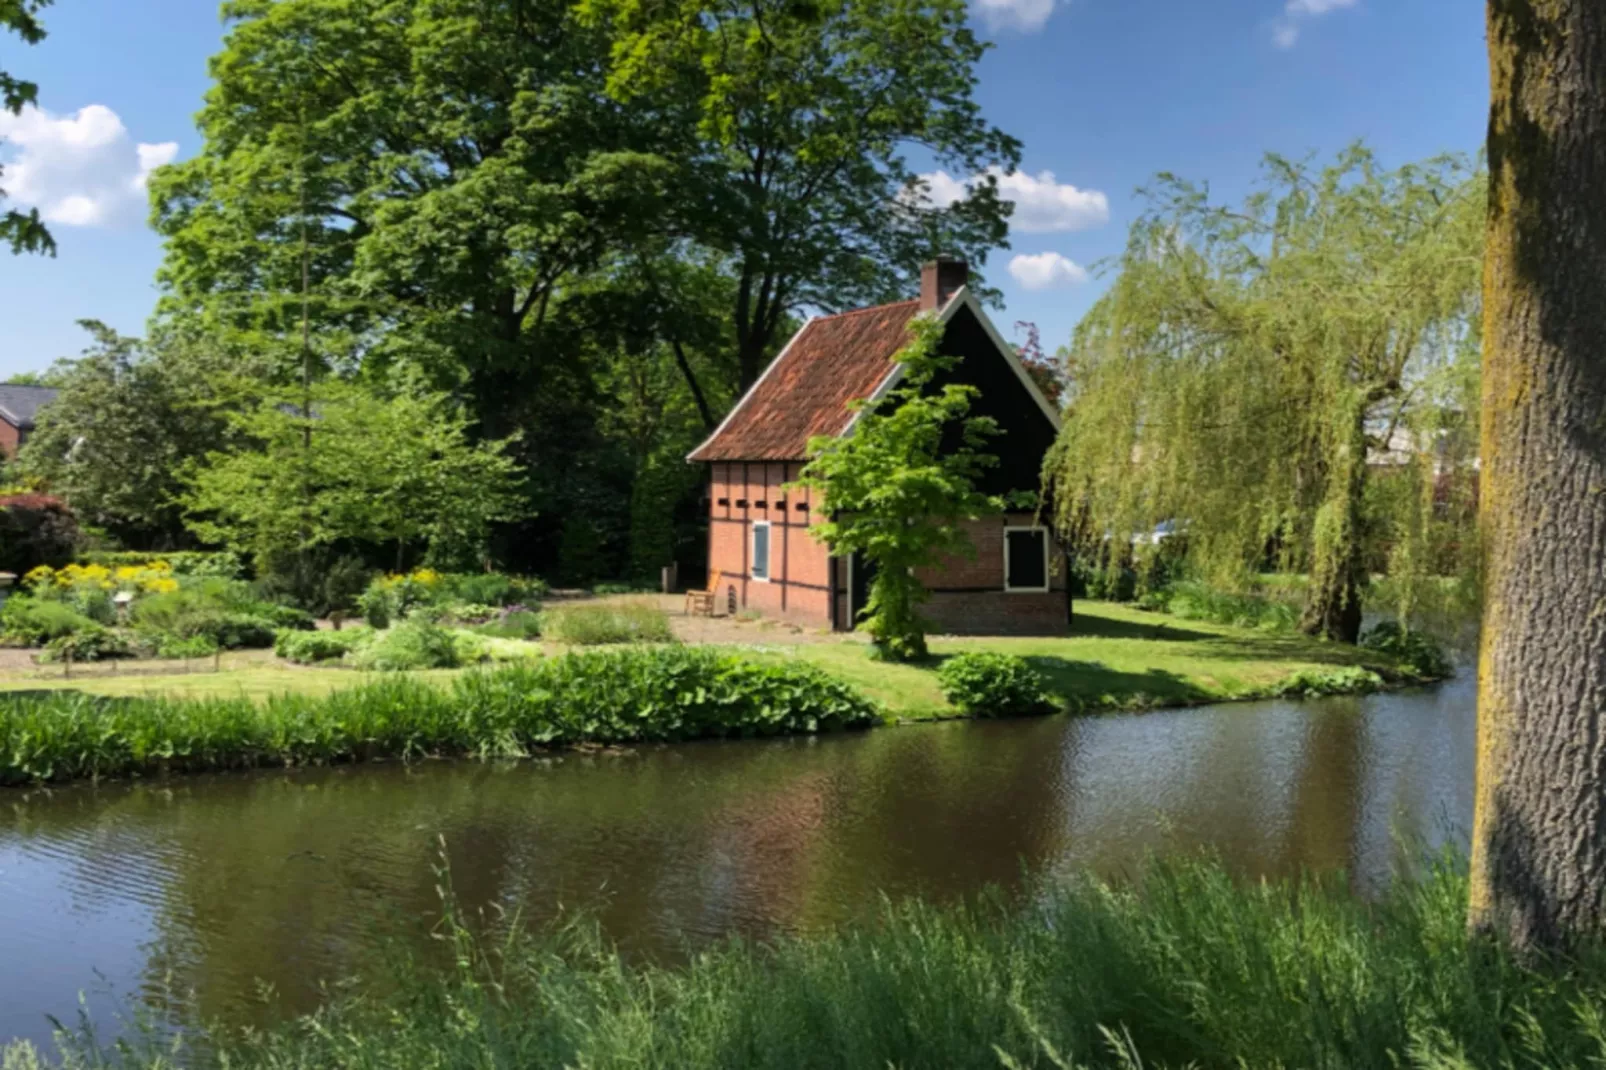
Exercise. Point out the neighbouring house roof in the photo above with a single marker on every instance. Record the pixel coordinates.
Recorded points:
(806, 389)
(20, 404)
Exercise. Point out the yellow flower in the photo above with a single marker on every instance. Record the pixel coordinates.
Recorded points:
(39, 575)
(129, 572)
(427, 576)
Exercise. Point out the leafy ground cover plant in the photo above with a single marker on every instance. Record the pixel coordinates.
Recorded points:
(418, 643)
(512, 622)
(1417, 653)
(397, 595)
(988, 684)
(29, 621)
(1340, 680)
(310, 648)
(608, 622)
(612, 696)
(1191, 600)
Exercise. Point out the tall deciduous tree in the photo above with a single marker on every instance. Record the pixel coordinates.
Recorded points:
(449, 161)
(357, 468)
(900, 487)
(1250, 361)
(804, 113)
(24, 231)
(1539, 835)
(129, 415)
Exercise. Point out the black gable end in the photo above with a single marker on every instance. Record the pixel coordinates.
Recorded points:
(1027, 430)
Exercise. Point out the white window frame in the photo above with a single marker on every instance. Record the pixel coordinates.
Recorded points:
(1047, 579)
(769, 552)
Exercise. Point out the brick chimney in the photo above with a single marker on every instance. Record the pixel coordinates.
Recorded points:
(939, 279)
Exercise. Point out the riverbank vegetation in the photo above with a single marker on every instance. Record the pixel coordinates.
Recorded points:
(619, 696)
(1184, 967)
(1117, 658)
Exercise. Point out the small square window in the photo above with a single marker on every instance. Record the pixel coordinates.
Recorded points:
(801, 507)
(1025, 559)
(760, 569)
(724, 501)
(741, 503)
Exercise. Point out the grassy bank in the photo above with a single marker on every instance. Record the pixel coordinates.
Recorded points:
(1116, 658)
(618, 696)
(1186, 969)
(1121, 658)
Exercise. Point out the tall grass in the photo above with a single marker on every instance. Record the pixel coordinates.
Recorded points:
(1185, 968)
(607, 622)
(1191, 600)
(658, 694)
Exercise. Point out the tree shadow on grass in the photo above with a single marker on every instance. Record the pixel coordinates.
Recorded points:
(1087, 626)
(1090, 685)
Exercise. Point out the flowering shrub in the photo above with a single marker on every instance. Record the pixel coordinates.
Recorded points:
(35, 529)
(398, 595)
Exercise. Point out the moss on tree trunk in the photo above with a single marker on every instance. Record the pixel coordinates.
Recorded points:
(1539, 837)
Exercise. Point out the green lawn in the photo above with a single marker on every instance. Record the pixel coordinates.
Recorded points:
(1116, 658)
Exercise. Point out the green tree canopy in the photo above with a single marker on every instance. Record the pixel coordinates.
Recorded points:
(1255, 368)
(24, 231)
(354, 467)
(804, 114)
(900, 486)
(130, 414)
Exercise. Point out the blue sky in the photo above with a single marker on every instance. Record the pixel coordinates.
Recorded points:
(1104, 93)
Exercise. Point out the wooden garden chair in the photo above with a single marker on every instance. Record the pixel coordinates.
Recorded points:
(702, 602)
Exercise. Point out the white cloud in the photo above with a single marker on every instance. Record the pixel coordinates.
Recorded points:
(79, 170)
(1026, 16)
(1285, 31)
(1046, 271)
(1042, 205)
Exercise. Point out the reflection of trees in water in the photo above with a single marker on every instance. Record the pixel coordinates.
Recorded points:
(287, 877)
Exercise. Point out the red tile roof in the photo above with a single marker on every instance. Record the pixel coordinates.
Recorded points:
(805, 392)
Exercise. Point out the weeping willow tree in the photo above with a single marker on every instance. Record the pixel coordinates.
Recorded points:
(1290, 382)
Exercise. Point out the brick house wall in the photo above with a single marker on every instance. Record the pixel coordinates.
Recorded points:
(10, 439)
(967, 596)
(742, 494)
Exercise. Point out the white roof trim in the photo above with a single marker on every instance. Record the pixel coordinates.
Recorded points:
(747, 396)
(963, 298)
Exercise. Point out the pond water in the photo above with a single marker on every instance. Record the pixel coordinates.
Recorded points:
(190, 893)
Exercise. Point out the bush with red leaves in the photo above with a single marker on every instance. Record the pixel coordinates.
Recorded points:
(36, 529)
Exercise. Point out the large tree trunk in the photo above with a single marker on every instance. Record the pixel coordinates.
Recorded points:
(1539, 835)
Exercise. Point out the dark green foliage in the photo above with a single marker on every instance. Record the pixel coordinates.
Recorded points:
(519, 623)
(492, 588)
(987, 684)
(318, 581)
(28, 621)
(418, 643)
(666, 693)
(91, 642)
(308, 648)
(595, 624)
(194, 646)
(1342, 680)
(223, 611)
(284, 616)
(1183, 967)
(220, 564)
(36, 529)
(1418, 654)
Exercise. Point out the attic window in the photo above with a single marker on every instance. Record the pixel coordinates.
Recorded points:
(741, 503)
(760, 504)
(801, 507)
(724, 501)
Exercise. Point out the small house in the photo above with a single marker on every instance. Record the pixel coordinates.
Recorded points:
(18, 407)
(759, 544)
